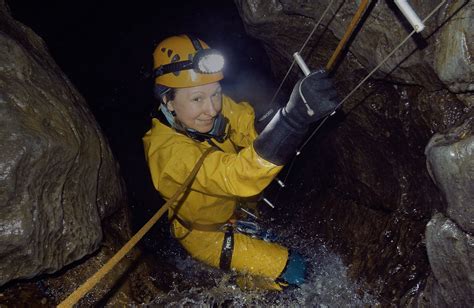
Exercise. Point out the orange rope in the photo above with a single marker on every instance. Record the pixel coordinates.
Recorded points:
(79, 293)
(355, 20)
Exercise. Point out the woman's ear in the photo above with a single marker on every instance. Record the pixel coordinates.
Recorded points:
(170, 106)
(168, 103)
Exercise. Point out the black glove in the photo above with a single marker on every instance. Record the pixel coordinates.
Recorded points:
(315, 91)
(281, 137)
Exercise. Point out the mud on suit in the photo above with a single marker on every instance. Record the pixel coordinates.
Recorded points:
(234, 171)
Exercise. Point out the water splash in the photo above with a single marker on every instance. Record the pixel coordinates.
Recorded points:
(328, 284)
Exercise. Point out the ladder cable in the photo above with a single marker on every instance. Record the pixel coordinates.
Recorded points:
(300, 149)
(301, 49)
(370, 74)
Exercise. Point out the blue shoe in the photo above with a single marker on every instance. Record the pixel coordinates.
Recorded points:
(295, 269)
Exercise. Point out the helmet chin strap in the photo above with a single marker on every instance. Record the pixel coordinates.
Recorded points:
(218, 131)
(169, 117)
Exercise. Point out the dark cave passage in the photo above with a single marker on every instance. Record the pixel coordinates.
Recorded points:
(360, 199)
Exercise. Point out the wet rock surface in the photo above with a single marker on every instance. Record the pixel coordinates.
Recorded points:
(383, 28)
(451, 165)
(450, 252)
(128, 283)
(58, 177)
(362, 181)
(449, 240)
(453, 56)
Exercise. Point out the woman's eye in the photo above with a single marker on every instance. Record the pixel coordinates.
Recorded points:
(197, 99)
(216, 94)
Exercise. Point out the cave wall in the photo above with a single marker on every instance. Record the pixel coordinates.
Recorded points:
(58, 177)
(362, 182)
(449, 240)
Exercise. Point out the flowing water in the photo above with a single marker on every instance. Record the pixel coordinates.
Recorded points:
(328, 284)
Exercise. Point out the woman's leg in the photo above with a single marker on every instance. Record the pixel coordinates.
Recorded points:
(247, 256)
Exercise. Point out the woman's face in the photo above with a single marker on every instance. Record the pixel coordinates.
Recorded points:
(197, 107)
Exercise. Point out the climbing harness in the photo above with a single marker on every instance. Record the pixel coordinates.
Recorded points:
(199, 227)
(75, 296)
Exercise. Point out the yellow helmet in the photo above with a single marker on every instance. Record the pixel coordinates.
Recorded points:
(184, 61)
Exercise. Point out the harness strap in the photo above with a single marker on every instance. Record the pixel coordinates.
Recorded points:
(201, 227)
(227, 245)
(227, 250)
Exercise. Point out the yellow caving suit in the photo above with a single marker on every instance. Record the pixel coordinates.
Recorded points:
(225, 175)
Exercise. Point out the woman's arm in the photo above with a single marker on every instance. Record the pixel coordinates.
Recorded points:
(243, 174)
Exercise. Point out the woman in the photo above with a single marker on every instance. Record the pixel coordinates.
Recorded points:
(195, 115)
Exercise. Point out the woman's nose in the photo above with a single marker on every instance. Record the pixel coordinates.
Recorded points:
(211, 108)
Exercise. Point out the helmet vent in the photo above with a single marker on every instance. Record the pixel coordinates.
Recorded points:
(176, 58)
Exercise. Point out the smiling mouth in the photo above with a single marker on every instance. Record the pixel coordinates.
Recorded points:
(209, 121)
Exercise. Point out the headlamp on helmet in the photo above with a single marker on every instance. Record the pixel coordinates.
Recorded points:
(206, 61)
